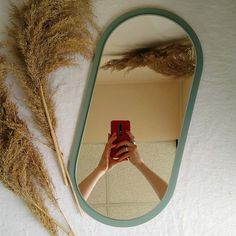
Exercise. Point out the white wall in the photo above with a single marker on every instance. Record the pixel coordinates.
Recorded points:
(204, 201)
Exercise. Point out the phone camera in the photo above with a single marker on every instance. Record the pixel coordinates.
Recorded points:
(120, 129)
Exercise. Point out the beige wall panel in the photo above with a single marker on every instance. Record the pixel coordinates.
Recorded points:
(152, 108)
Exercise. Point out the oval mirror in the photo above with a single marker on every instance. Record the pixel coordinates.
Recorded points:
(135, 115)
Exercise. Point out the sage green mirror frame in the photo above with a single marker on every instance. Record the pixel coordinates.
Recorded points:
(86, 103)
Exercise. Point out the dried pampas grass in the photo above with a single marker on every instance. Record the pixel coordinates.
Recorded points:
(44, 35)
(21, 166)
(175, 58)
(22, 169)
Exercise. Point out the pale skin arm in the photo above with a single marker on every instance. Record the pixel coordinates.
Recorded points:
(87, 185)
(131, 152)
(106, 163)
(157, 183)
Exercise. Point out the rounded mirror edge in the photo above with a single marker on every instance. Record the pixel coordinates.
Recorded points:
(72, 166)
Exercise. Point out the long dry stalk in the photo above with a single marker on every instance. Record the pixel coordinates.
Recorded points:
(174, 58)
(22, 169)
(44, 35)
(21, 166)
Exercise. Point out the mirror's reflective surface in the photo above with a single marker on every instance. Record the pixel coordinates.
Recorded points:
(145, 76)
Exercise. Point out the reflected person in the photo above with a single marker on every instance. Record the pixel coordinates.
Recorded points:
(128, 151)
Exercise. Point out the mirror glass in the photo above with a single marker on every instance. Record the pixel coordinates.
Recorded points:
(145, 77)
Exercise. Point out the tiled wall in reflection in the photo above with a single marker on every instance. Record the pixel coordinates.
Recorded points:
(124, 192)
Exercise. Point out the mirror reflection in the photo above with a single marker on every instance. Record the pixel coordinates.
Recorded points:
(135, 117)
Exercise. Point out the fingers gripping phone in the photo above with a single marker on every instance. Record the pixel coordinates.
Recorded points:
(120, 127)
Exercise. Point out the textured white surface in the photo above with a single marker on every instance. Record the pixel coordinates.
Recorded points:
(204, 201)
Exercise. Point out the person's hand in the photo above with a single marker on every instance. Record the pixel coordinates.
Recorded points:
(129, 151)
(106, 162)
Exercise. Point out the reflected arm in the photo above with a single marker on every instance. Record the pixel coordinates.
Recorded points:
(131, 152)
(105, 164)
(157, 183)
(87, 185)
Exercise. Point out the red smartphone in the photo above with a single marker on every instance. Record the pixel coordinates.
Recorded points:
(119, 127)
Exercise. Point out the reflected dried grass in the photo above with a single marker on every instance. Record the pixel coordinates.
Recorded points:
(175, 58)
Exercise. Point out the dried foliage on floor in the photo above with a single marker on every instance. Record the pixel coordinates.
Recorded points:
(44, 35)
(22, 169)
(174, 58)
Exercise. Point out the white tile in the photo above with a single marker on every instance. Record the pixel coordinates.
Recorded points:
(129, 211)
(100, 209)
(160, 157)
(127, 184)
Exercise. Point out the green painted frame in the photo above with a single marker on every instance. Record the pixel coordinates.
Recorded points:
(85, 108)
